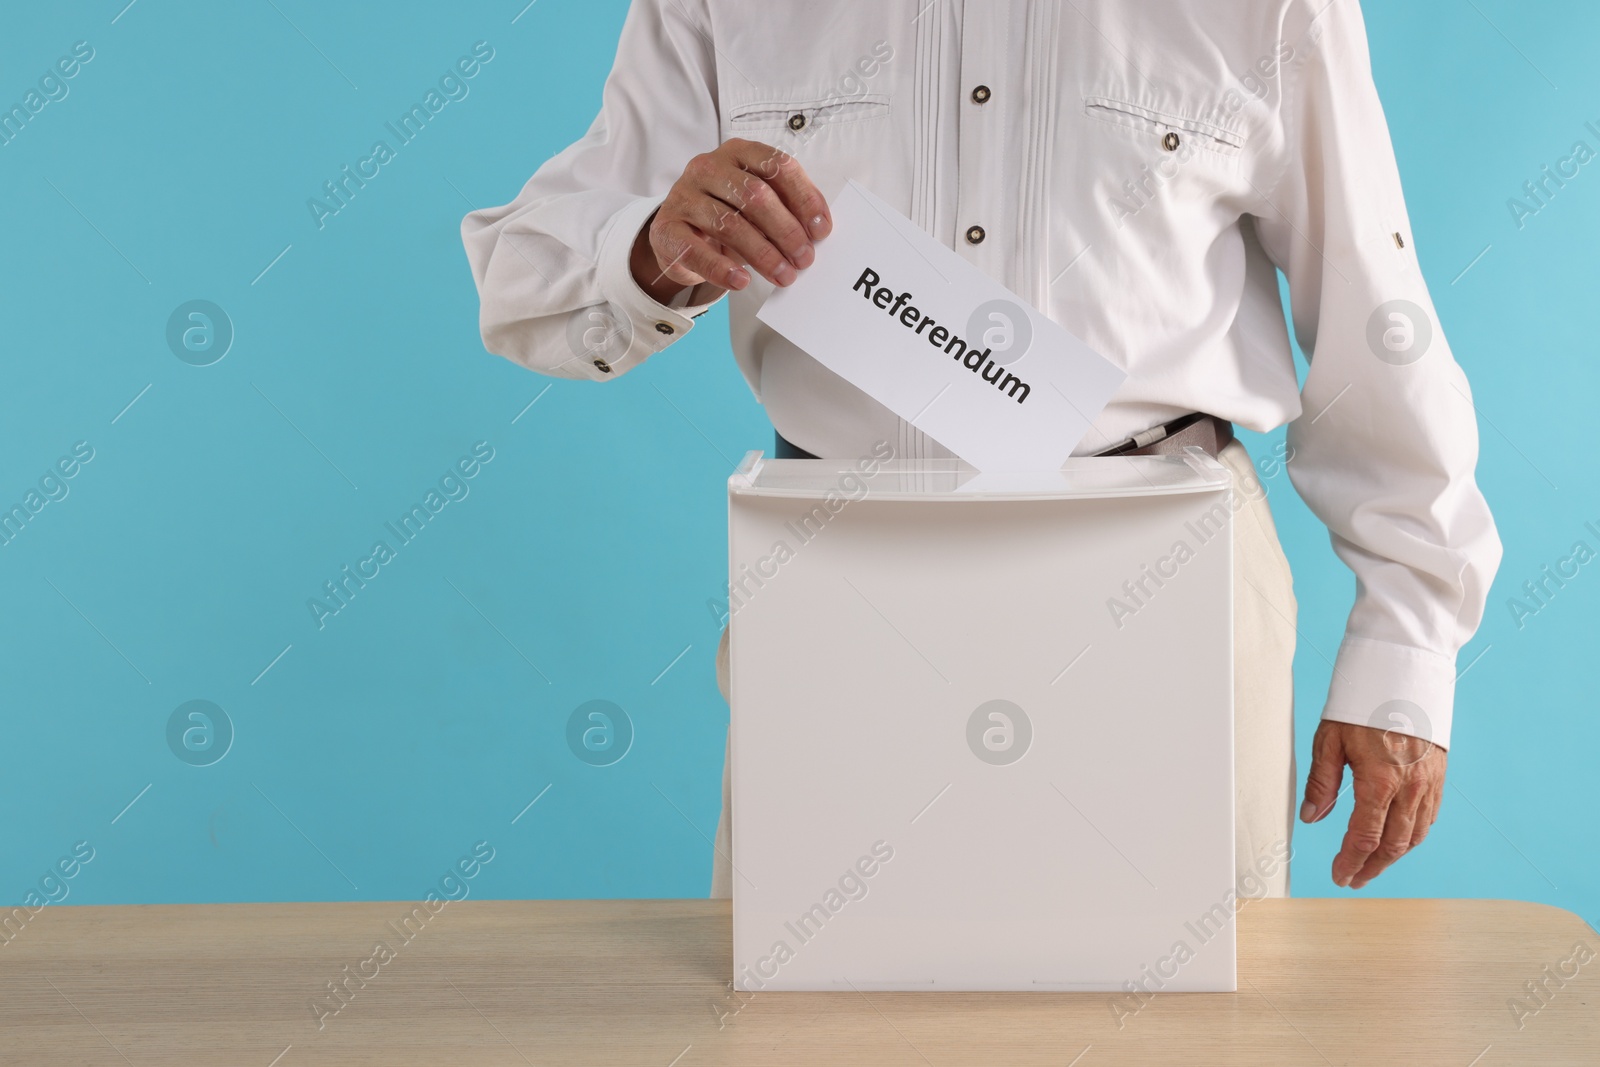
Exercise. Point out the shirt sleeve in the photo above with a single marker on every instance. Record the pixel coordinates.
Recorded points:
(552, 267)
(1386, 443)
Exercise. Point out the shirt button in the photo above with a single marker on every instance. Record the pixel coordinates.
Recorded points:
(605, 368)
(664, 327)
(1170, 142)
(975, 235)
(797, 121)
(981, 95)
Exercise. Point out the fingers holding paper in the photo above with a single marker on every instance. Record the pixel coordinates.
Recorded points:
(1398, 783)
(743, 204)
(799, 209)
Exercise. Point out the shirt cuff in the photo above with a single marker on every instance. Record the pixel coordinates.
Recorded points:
(637, 325)
(1393, 687)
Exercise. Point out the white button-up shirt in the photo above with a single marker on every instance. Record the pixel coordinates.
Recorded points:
(1141, 170)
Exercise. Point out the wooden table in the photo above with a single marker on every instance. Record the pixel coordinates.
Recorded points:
(646, 982)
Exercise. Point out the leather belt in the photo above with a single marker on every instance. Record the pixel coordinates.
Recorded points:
(1207, 431)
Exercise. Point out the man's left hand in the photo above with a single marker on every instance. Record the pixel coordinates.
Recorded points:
(1399, 784)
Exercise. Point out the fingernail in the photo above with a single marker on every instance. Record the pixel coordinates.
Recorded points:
(804, 257)
(737, 278)
(1307, 810)
(784, 275)
(819, 227)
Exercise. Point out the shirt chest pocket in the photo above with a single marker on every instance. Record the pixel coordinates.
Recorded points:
(793, 123)
(1164, 130)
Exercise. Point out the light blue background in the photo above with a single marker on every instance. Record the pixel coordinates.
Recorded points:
(427, 714)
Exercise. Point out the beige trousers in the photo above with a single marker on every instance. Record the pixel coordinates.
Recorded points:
(1263, 698)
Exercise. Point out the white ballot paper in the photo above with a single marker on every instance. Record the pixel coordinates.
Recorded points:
(939, 343)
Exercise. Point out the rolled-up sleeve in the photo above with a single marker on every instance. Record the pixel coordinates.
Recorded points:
(555, 288)
(1385, 447)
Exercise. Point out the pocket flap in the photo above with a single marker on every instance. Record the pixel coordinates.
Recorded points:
(798, 115)
(1139, 117)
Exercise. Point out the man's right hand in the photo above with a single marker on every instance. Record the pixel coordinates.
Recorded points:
(743, 204)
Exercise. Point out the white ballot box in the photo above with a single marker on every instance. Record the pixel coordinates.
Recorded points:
(982, 725)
